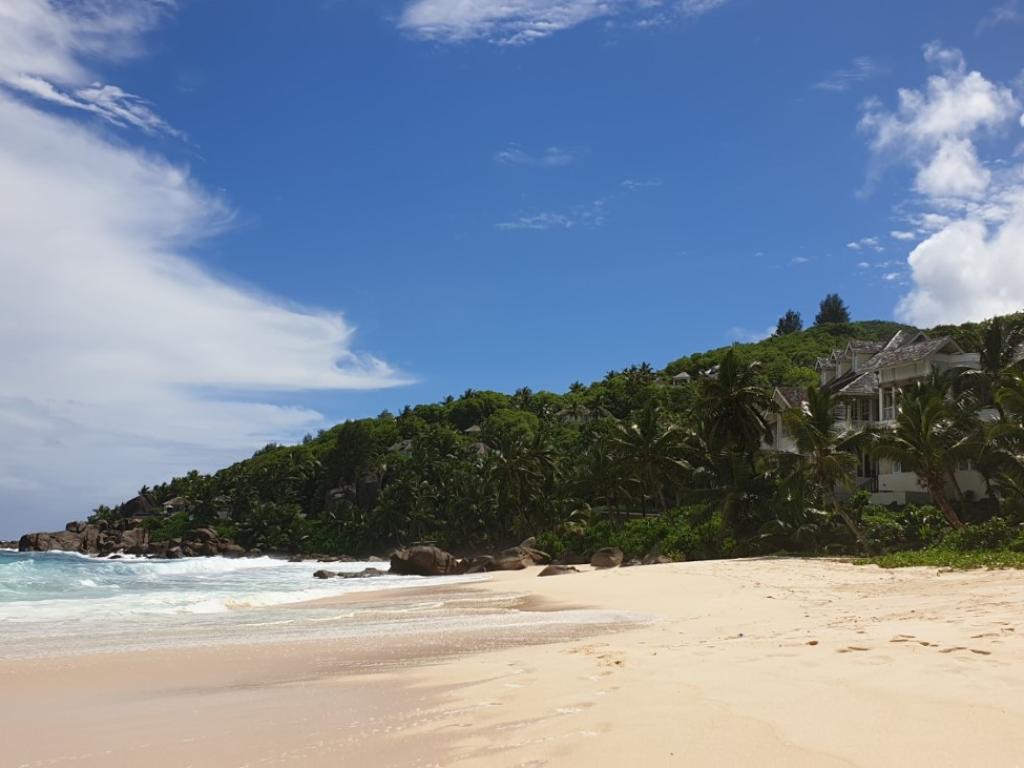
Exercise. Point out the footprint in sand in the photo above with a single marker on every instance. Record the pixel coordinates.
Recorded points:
(978, 651)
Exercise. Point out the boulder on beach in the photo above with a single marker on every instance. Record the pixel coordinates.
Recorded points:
(322, 574)
(558, 570)
(607, 557)
(424, 561)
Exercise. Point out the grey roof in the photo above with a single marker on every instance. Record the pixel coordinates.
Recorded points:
(794, 396)
(866, 384)
(911, 353)
(902, 338)
(866, 346)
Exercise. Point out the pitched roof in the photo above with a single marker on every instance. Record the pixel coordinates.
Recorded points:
(866, 384)
(902, 338)
(909, 353)
(793, 396)
(865, 346)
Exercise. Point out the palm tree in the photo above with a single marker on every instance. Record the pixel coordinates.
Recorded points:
(926, 441)
(828, 452)
(732, 405)
(999, 345)
(650, 453)
(1005, 444)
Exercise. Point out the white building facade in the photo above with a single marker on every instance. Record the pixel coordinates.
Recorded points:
(866, 378)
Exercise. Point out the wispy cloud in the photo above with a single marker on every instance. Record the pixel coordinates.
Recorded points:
(517, 22)
(124, 359)
(552, 157)
(862, 68)
(590, 215)
(866, 244)
(635, 185)
(1006, 13)
(747, 336)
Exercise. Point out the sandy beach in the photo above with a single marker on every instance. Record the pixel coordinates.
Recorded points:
(752, 662)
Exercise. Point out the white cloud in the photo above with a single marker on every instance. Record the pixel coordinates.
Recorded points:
(552, 157)
(747, 336)
(41, 44)
(967, 271)
(863, 68)
(1005, 13)
(591, 215)
(970, 264)
(899, 234)
(516, 22)
(800, 260)
(866, 243)
(123, 360)
(933, 129)
(635, 185)
(953, 171)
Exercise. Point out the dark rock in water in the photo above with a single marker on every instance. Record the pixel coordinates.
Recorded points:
(607, 557)
(45, 542)
(321, 574)
(135, 541)
(366, 573)
(424, 561)
(558, 570)
(232, 550)
(297, 559)
(174, 553)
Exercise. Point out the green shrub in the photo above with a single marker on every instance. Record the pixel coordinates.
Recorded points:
(991, 535)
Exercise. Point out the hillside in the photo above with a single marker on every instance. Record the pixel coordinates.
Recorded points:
(487, 468)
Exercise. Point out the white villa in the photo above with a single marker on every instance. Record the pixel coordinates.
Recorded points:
(866, 377)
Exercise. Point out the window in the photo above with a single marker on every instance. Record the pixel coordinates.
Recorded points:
(965, 465)
(888, 405)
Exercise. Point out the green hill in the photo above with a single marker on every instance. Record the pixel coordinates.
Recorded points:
(486, 469)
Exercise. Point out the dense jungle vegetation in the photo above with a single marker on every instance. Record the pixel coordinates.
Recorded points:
(645, 460)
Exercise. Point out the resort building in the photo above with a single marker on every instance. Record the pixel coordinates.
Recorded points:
(866, 378)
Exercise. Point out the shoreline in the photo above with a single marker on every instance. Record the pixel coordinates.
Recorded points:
(767, 662)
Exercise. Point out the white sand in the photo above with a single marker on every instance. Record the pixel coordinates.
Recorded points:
(756, 662)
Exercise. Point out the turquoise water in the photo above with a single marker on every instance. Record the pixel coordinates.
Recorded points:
(55, 604)
(58, 585)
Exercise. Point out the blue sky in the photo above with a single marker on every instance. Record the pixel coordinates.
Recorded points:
(230, 198)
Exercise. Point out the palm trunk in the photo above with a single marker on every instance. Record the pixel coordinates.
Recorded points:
(937, 490)
(854, 528)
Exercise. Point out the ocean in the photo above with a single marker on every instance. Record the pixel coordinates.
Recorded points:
(56, 603)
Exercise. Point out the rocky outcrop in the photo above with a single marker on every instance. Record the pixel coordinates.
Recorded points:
(558, 570)
(607, 557)
(426, 561)
(128, 537)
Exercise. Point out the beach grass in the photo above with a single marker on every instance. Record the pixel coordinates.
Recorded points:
(944, 557)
